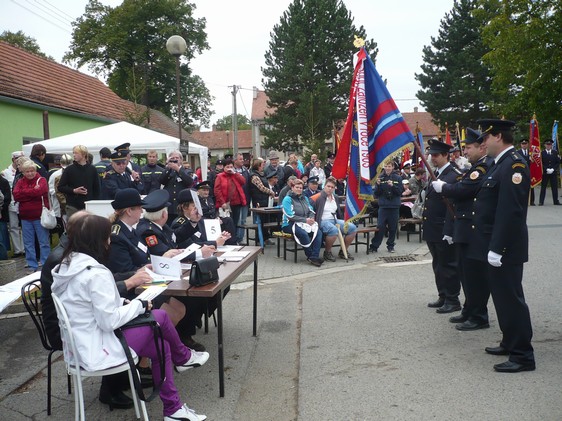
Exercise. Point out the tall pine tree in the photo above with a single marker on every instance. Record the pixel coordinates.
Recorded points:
(308, 73)
(455, 82)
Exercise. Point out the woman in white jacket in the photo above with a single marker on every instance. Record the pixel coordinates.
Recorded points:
(90, 297)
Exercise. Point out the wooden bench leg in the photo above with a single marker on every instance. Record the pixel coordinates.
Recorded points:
(278, 247)
(284, 249)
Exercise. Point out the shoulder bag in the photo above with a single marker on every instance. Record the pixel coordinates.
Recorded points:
(48, 217)
(204, 271)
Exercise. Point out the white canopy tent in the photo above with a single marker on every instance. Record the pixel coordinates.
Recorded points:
(141, 139)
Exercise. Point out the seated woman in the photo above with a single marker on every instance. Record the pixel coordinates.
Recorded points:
(297, 214)
(88, 292)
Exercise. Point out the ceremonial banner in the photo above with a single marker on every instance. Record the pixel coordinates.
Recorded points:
(535, 148)
(555, 135)
(337, 139)
(405, 157)
(447, 135)
(374, 131)
(417, 160)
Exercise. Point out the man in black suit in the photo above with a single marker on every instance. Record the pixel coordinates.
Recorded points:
(526, 153)
(440, 245)
(550, 172)
(473, 273)
(500, 238)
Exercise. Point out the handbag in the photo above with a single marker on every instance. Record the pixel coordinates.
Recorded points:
(204, 271)
(417, 209)
(48, 217)
(145, 319)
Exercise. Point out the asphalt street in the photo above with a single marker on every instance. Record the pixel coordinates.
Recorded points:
(349, 341)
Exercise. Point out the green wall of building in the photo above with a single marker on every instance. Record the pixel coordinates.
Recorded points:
(22, 122)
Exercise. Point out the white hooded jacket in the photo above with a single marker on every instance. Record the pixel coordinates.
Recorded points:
(88, 292)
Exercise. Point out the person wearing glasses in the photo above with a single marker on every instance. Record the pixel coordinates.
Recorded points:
(120, 177)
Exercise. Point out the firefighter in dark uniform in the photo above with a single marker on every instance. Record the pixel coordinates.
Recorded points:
(151, 172)
(126, 252)
(119, 177)
(473, 273)
(500, 238)
(527, 155)
(440, 246)
(158, 238)
(174, 179)
(133, 167)
(105, 162)
(550, 172)
(210, 212)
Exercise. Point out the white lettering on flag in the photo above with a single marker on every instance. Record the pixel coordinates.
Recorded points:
(362, 124)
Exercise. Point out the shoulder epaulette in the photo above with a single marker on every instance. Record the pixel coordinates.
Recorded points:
(181, 220)
(482, 169)
(459, 172)
(116, 229)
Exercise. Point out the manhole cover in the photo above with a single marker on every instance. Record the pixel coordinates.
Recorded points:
(399, 259)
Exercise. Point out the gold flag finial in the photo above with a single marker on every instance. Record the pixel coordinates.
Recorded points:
(358, 42)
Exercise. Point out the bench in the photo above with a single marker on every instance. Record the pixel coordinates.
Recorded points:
(366, 231)
(282, 236)
(417, 222)
(254, 228)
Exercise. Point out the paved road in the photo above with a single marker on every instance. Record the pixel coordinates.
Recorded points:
(351, 341)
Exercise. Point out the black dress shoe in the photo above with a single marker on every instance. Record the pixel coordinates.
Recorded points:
(117, 400)
(448, 308)
(436, 304)
(461, 318)
(513, 367)
(558, 203)
(468, 325)
(496, 350)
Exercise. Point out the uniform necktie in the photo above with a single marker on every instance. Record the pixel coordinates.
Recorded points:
(436, 173)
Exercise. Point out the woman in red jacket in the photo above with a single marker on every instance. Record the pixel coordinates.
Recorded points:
(28, 192)
(229, 192)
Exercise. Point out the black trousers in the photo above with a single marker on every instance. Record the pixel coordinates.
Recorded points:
(553, 179)
(474, 280)
(512, 310)
(445, 269)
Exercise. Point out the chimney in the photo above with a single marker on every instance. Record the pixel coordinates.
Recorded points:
(255, 92)
(415, 109)
(214, 128)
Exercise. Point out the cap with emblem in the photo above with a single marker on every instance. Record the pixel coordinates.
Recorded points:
(548, 142)
(220, 162)
(473, 136)
(119, 156)
(271, 174)
(228, 156)
(436, 146)
(524, 142)
(185, 196)
(123, 148)
(495, 125)
(127, 198)
(203, 185)
(313, 179)
(156, 200)
(331, 155)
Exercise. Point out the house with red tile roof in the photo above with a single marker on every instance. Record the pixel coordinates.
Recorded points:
(221, 142)
(42, 99)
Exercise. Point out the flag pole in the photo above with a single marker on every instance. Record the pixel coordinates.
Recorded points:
(432, 174)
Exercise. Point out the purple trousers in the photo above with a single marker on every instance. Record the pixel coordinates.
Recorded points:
(141, 340)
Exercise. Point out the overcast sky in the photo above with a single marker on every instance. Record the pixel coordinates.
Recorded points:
(239, 33)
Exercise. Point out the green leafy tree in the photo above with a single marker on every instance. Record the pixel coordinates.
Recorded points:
(225, 123)
(308, 72)
(19, 39)
(456, 84)
(525, 55)
(127, 45)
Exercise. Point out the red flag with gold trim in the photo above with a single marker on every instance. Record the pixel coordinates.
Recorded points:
(535, 148)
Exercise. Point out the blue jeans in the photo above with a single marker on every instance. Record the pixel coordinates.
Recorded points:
(31, 229)
(312, 251)
(329, 229)
(243, 217)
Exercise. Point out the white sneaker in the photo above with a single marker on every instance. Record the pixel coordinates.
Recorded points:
(185, 414)
(197, 359)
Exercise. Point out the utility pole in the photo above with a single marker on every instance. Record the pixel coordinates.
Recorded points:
(234, 121)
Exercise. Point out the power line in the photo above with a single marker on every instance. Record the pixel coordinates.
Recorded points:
(70, 18)
(42, 8)
(41, 17)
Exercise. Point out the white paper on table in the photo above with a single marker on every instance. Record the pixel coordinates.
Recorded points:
(270, 202)
(224, 249)
(186, 252)
(151, 292)
(235, 256)
(212, 229)
(197, 202)
(163, 266)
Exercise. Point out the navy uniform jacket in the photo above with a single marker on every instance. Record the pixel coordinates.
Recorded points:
(208, 208)
(156, 239)
(187, 234)
(102, 167)
(125, 253)
(112, 182)
(150, 177)
(500, 211)
(435, 209)
(463, 194)
(174, 182)
(307, 192)
(550, 161)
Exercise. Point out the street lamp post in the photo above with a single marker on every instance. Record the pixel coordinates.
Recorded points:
(177, 46)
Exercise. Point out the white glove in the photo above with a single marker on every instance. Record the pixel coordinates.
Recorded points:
(438, 185)
(448, 239)
(549, 170)
(494, 259)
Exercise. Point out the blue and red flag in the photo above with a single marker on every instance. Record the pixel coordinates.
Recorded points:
(555, 135)
(374, 132)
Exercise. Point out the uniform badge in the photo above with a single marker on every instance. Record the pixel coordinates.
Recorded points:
(474, 175)
(518, 164)
(115, 229)
(517, 178)
(181, 220)
(151, 241)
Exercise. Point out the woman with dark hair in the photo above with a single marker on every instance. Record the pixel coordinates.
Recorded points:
(88, 292)
(38, 155)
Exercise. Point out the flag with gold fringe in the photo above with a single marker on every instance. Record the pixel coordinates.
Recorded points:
(535, 148)
(374, 132)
